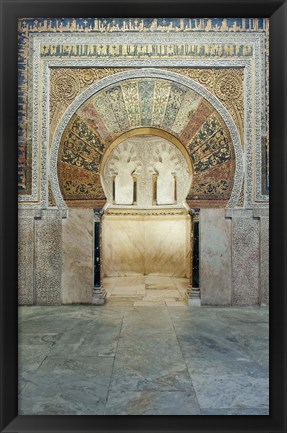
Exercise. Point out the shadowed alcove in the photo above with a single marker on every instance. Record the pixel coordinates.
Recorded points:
(146, 224)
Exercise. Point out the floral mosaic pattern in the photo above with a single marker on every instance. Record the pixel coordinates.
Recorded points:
(135, 103)
(146, 91)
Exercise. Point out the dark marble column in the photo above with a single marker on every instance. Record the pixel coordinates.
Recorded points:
(99, 293)
(193, 291)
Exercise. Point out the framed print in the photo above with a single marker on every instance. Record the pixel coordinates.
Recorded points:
(144, 253)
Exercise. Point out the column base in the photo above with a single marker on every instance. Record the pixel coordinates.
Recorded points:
(193, 302)
(99, 296)
(192, 296)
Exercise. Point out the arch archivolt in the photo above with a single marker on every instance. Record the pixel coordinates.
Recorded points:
(185, 93)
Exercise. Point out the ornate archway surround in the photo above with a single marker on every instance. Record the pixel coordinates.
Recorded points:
(39, 93)
(147, 73)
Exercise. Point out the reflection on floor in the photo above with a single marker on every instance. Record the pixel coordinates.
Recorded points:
(122, 359)
(147, 289)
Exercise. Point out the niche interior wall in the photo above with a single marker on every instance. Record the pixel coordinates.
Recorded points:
(83, 83)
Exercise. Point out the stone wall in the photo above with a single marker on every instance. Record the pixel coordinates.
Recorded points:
(215, 257)
(264, 260)
(39, 257)
(77, 269)
(26, 258)
(56, 254)
(207, 93)
(48, 258)
(250, 256)
(145, 245)
(234, 256)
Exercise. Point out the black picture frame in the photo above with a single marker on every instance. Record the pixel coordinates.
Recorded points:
(277, 12)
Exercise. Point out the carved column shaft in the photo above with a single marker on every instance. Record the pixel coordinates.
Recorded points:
(193, 291)
(99, 293)
(191, 248)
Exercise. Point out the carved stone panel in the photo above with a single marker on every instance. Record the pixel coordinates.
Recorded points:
(264, 260)
(48, 259)
(25, 261)
(245, 261)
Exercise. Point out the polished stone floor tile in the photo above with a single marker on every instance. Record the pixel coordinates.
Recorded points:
(120, 301)
(159, 293)
(154, 363)
(29, 339)
(49, 324)
(158, 279)
(175, 303)
(67, 386)
(98, 344)
(143, 360)
(71, 395)
(134, 289)
(160, 289)
(124, 281)
(230, 390)
(30, 358)
(171, 379)
(180, 283)
(217, 342)
(144, 289)
(150, 302)
(152, 403)
(145, 320)
(236, 411)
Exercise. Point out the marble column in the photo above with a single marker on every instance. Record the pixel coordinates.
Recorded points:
(99, 293)
(193, 291)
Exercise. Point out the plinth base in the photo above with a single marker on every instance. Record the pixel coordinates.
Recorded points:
(192, 296)
(194, 302)
(99, 296)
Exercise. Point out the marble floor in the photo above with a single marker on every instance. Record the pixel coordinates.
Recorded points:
(122, 359)
(144, 290)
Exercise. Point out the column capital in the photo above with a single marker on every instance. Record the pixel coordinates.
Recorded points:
(98, 213)
(194, 213)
